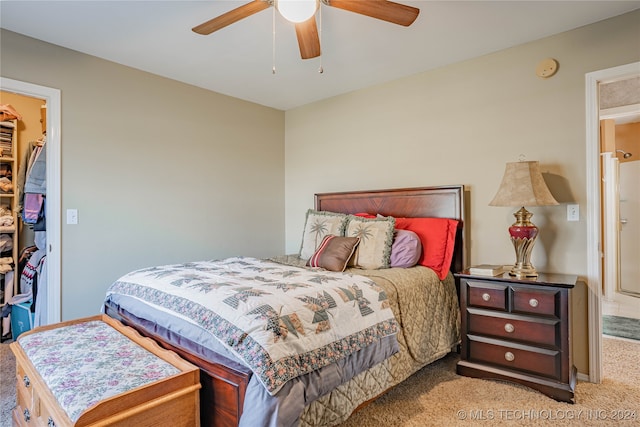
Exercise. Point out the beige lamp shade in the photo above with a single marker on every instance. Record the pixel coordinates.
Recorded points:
(523, 185)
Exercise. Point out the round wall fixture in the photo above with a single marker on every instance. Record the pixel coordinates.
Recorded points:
(547, 68)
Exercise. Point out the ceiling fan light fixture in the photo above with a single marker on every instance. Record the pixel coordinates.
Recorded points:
(297, 11)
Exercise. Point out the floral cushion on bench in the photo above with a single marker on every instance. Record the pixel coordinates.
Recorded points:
(85, 363)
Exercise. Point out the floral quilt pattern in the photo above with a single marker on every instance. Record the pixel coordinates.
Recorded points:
(282, 320)
(85, 363)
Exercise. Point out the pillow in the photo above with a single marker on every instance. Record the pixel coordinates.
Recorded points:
(376, 237)
(437, 236)
(406, 249)
(319, 224)
(334, 252)
(365, 215)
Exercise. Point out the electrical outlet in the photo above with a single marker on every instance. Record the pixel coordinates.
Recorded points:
(573, 212)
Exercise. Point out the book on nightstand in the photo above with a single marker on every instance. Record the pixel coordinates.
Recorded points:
(487, 269)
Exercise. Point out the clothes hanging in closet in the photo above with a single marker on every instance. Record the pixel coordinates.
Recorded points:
(33, 281)
(36, 175)
(31, 185)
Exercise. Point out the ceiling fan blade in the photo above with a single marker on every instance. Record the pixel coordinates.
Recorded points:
(308, 39)
(230, 17)
(389, 11)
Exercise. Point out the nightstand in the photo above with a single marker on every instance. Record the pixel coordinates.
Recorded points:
(518, 330)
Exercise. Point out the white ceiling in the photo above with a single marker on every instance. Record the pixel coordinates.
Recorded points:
(358, 51)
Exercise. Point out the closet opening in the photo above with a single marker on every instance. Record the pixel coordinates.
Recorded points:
(34, 202)
(23, 129)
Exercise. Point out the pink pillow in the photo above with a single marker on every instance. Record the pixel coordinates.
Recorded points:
(437, 236)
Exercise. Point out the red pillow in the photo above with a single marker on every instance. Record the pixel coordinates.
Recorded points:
(365, 215)
(438, 236)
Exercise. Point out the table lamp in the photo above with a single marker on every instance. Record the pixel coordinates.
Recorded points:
(523, 185)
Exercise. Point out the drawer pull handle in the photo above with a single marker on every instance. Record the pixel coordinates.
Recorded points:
(486, 296)
(533, 302)
(51, 423)
(509, 356)
(509, 327)
(26, 381)
(27, 415)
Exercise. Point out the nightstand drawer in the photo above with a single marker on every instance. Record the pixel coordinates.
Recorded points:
(514, 327)
(536, 301)
(523, 358)
(487, 295)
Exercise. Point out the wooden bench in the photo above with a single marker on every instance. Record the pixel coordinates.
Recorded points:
(97, 372)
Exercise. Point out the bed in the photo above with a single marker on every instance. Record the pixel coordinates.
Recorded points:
(423, 327)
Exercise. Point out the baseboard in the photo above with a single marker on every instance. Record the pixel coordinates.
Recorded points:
(621, 305)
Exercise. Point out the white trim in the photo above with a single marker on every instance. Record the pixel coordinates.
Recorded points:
(53, 215)
(594, 226)
(621, 115)
(610, 225)
(582, 377)
(621, 305)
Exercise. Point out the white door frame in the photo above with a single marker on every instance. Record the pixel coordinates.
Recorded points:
(594, 225)
(53, 206)
(610, 226)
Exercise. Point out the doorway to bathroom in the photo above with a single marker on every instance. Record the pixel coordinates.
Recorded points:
(596, 211)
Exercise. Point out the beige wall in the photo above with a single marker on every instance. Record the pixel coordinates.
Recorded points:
(460, 124)
(160, 171)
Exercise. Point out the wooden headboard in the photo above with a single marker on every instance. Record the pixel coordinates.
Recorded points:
(438, 202)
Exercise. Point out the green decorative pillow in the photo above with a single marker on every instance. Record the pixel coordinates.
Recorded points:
(319, 224)
(333, 253)
(376, 237)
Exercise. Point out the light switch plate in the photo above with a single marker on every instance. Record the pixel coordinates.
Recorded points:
(573, 212)
(72, 216)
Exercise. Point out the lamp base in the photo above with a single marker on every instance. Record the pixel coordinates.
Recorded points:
(523, 272)
(523, 236)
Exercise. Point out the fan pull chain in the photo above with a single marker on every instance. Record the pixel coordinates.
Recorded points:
(320, 70)
(273, 41)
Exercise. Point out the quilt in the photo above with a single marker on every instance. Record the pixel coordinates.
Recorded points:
(283, 321)
(428, 311)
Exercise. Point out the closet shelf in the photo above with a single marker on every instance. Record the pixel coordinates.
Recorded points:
(9, 155)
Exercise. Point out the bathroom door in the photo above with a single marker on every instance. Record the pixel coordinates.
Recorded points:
(629, 238)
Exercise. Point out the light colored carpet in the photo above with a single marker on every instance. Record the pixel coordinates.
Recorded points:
(7, 384)
(436, 396)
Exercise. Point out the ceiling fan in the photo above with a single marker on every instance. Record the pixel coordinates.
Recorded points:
(302, 14)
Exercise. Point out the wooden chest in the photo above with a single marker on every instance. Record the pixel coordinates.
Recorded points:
(97, 372)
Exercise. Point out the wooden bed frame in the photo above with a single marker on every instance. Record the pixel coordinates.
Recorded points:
(223, 381)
